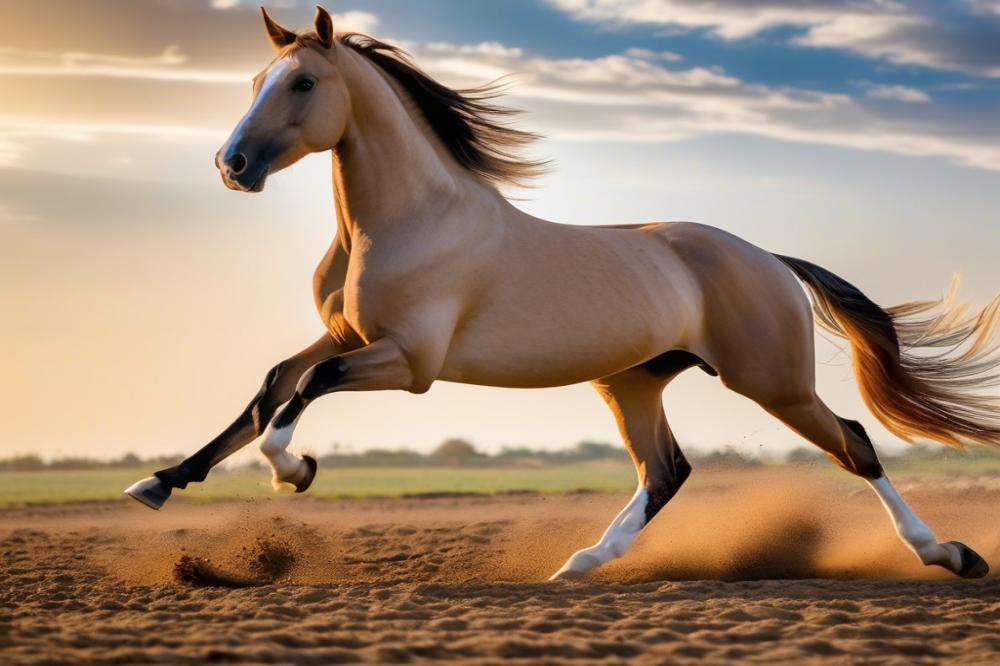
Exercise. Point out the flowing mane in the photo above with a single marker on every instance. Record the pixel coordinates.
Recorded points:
(467, 121)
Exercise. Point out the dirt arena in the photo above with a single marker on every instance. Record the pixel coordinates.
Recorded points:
(752, 566)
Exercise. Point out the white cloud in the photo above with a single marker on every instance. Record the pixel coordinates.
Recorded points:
(483, 48)
(355, 21)
(986, 6)
(16, 127)
(650, 54)
(8, 214)
(629, 98)
(885, 29)
(10, 151)
(728, 19)
(898, 94)
(635, 96)
(170, 56)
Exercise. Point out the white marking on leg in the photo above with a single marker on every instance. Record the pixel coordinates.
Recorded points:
(287, 466)
(615, 541)
(914, 532)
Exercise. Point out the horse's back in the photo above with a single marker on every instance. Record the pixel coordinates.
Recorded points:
(575, 302)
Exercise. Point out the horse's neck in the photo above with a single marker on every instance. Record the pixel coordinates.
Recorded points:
(388, 170)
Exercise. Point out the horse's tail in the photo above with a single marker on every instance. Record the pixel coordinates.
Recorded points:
(922, 366)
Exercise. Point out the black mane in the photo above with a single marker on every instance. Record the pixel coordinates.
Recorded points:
(467, 121)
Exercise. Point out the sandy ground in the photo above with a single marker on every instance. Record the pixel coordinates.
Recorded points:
(759, 566)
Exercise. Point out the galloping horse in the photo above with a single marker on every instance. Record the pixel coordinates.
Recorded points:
(434, 275)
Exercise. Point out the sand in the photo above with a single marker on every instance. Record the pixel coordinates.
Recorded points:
(758, 566)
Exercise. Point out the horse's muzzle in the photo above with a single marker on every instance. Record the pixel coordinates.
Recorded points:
(242, 173)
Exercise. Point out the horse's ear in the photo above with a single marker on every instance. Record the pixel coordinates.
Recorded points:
(280, 37)
(324, 27)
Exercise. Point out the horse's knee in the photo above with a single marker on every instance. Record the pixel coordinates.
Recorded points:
(268, 399)
(322, 378)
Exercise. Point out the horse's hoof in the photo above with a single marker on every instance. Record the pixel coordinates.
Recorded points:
(150, 491)
(973, 566)
(311, 467)
(568, 574)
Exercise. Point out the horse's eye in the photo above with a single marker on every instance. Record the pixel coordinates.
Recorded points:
(303, 85)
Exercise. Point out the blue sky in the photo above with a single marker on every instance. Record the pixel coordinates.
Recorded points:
(863, 135)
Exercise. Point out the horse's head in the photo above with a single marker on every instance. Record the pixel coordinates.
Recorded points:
(300, 106)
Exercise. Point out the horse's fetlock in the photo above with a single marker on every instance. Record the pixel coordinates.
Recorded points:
(275, 442)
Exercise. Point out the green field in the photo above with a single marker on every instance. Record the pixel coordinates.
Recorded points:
(19, 488)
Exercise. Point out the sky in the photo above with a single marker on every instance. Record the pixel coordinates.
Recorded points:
(143, 302)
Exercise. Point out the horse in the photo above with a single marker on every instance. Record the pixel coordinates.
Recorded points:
(434, 275)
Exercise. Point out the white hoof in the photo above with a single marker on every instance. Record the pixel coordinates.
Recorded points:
(300, 479)
(578, 566)
(150, 491)
(568, 574)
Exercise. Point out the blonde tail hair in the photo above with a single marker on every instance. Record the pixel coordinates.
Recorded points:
(923, 367)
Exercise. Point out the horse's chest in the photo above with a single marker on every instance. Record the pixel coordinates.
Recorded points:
(372, 304)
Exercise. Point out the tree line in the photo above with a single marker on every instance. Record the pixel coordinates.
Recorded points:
(461, 452)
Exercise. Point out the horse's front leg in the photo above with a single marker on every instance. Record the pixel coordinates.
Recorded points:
(379, 366)
(278, 386)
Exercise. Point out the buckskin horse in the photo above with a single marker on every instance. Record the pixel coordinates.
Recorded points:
(434, 275)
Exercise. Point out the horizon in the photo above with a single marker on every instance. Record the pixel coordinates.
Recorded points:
(149, 301)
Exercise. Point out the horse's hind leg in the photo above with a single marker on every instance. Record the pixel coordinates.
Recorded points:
(635, 398)
(847, 443)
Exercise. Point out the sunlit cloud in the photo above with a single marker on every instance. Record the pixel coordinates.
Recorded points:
(9, 214)
(639, 95)
(165, 66)
(355, 21)
(170, 56)
(727, 19)
(18, 135)
(629, 98)
(10, 151)
(886, 29)
(70, 131)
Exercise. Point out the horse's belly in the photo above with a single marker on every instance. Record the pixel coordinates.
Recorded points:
(536, 368)
(542, 342)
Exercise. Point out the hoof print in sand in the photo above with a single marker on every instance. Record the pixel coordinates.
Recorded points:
(262, 564)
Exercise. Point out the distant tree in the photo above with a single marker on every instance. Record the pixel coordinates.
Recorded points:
(128, 460)
(23, 464)
(455, 451)
(589, 450)
(729, 457)
(803, 454)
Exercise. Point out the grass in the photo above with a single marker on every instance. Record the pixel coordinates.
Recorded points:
(20, 488)
(43, 487)
(959, 463)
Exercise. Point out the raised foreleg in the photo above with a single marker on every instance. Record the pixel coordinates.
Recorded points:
(379, 366)
(278, 386)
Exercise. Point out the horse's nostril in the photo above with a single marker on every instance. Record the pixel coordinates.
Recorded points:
(237, 163)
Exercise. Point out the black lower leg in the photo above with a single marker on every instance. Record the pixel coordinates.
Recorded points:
(662, 487)
(859, 456)
(248, 425)
(319, 380)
